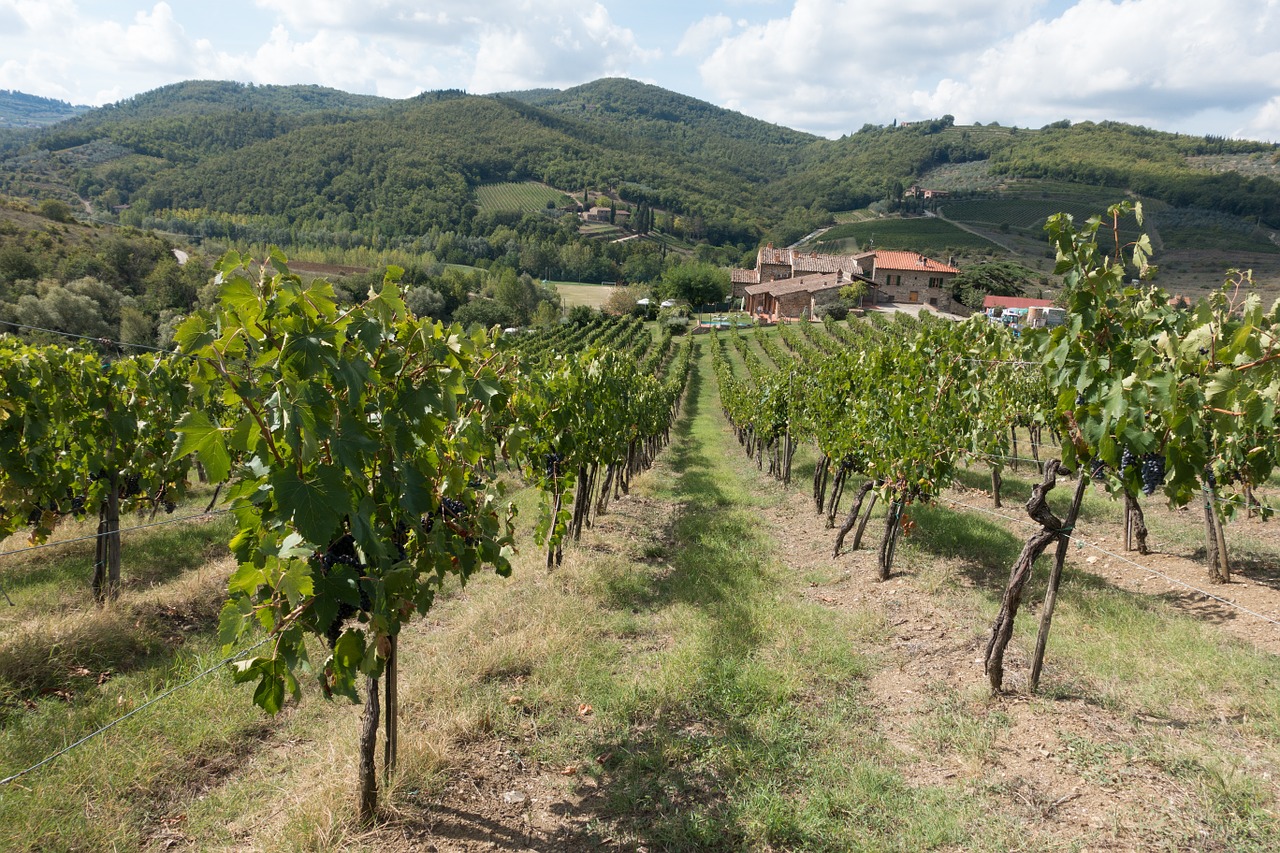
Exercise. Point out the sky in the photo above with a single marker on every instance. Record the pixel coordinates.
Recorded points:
(823, 66)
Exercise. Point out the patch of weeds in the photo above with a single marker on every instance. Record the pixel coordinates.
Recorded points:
(1239, 808)
(953, 724)
(824, 575)
(1098, 762)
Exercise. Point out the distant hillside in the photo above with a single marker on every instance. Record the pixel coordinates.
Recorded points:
(306, 164)
(21, 110)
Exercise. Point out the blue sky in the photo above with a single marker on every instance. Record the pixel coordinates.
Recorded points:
(824, 66)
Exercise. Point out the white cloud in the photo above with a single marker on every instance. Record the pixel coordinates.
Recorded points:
(699, 36)
(153, 39)
(1265, 123)
(366, 65)
(834, 63)
(66, 55)
(1148, 61)
(555, 48)
(829, 66)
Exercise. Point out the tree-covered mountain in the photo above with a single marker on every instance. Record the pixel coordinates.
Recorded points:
(303, 163)
(18, 109)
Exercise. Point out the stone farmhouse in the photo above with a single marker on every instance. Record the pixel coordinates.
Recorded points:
(786, 281)
(909, 277)
(804, 296)
(779, 264)
(606, 215)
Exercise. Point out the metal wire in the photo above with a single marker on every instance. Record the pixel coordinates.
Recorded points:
(121, 530)
(166, 694)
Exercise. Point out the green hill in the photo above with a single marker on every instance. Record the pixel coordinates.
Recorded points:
(18, 109)
(304, 164)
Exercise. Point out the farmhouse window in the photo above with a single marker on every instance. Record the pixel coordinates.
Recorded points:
(935, 281)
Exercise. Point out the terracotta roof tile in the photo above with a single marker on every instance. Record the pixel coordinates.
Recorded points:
(801, 263)
(910, 261)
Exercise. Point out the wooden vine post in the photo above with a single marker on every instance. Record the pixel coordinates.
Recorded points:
(1052, 529)
(1055, 579)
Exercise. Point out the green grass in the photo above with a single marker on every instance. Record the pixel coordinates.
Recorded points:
(574, 293)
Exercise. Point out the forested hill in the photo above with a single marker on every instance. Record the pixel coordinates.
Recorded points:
(184, 121)
(633, 105)
(18, 109)
(280, 161)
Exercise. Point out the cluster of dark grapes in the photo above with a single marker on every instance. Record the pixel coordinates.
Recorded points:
(450, 509)
(1150, 468)
(551, 464)
(131, 487)
(74, 505)
(1152, 472)
(1098, 470)
(342, 553)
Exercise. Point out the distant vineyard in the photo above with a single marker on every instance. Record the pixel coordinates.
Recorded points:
(1176, 227)
(1020, 213)
(526, 196)
(931, 236)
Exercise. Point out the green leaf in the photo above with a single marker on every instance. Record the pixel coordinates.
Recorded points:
(296, 582)
(193, 334)
(1224, 384)
(197, 434)
(315, 505)
(246, 579)
(270, 693)
(240, 296)
(231, 623)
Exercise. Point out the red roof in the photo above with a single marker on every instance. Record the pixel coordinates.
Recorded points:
(1014, 302)
(910, 261)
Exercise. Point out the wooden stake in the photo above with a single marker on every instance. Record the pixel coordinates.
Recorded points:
(1055, 578)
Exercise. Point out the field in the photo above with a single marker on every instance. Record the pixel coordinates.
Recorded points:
(527, 196)
(575, 293)
(700, 674)
(925, 234)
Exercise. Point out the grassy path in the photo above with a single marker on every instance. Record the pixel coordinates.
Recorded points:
(672, 687)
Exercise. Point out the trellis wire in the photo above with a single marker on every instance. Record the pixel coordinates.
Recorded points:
(166, 694)
(121, 530)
